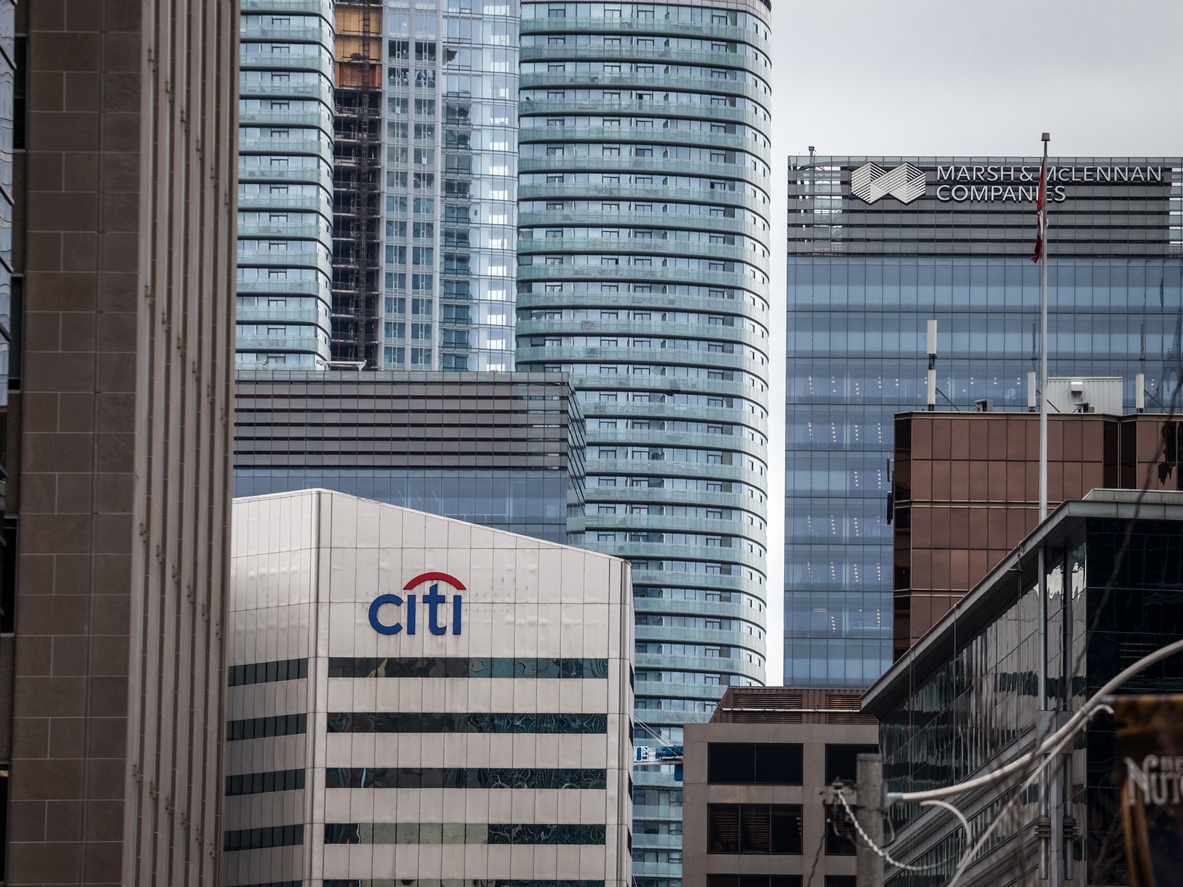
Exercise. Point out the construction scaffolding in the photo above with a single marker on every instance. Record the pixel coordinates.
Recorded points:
(357, 114)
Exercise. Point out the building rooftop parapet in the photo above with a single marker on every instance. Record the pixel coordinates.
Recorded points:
(999, 588)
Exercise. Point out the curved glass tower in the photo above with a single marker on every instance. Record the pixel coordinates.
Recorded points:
(285, 182)
(643, 258)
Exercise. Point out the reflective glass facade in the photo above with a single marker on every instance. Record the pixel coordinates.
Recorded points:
(285, 174)
(12, 137)
(520, 501)
(643, 272)
(864, 279)
(504, 451)
(971, 699)
(449, 205)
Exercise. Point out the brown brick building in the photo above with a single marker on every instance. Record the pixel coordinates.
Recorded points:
(965, 491)
(119, 440)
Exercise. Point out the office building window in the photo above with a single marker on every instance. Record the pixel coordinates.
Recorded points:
(754, 828)
(842, 763)
(753, 881)
(755, 763)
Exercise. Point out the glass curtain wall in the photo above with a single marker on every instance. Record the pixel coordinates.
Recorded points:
(857, 354)
(643, 272)
(450, 210)
(285, 183)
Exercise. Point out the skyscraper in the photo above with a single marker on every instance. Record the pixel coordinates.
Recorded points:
(435, 131)
(643, 272)
(285, 182)
(118, 441)
(880, 246)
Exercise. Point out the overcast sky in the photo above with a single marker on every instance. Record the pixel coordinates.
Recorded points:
(920, 77)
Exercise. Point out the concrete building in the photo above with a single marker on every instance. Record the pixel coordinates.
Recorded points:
(755, 777)
(643, 273)
(479, 735)
(426, 209)
(118, 437)
(1006, 665)
(285, 182)
(878, 246)
(504, 450)
(965, 491)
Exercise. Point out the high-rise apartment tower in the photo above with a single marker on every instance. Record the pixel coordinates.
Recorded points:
(426, 208)
(285, 183)
(643, 272)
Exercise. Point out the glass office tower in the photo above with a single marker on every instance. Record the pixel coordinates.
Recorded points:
(448, 185)
(878, 247)
(285, 175)
(643, 272)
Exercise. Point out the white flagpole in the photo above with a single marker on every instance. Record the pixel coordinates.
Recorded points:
(1043, 351)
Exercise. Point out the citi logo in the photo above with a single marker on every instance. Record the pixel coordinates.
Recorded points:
(432, 600)
(905, 183)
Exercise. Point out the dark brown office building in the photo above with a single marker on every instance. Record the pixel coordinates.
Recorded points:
(118, 439)
(754, 776)
(965, 491)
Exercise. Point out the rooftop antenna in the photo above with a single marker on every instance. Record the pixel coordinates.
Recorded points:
(1140, 379)
(932, 365)
(1031, 407)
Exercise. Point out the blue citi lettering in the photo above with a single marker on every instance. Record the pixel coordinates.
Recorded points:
(433, 599)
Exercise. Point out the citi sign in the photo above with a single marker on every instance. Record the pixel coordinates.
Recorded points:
(433, 601)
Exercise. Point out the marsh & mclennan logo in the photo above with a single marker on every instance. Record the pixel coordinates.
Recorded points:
(905, 183)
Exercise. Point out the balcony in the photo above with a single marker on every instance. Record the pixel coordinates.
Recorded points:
(642, 135)
(318, 289)
(643, 81)
(287, 231)
(647, 55)
(310, 316)
(323, 8)
(281, 343)
(640, 246)
(322, 204)
(560, 107)
(643, 193)
(295, 147)
(289, 34)
(661, 27)
(287, 61)
(321, 119)
(655, 300)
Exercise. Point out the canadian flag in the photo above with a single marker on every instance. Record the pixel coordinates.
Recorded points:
(1041, 212)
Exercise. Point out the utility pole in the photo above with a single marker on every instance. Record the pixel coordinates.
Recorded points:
(869, 871)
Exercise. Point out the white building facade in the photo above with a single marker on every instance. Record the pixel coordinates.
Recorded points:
(424, 701)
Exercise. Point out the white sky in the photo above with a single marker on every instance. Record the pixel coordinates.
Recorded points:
(921, 77)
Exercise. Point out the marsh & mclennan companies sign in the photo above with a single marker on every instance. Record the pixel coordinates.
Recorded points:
(987, 183)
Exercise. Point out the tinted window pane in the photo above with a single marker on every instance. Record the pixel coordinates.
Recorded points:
(754, 829)
(786, 828)
(841, 761)
(779, 763)
(723, 828)
(731, 762)
(744, 763)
